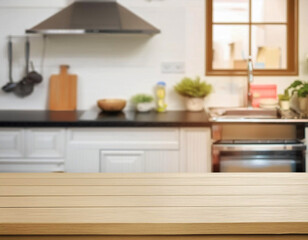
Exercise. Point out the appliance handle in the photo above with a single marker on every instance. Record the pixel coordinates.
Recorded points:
(258, 147)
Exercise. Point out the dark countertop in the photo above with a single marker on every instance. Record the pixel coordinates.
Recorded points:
(96, 119)
(11, 118)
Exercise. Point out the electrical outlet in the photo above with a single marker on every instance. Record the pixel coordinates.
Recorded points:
(173, 67)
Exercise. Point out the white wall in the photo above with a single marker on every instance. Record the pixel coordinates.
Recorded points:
(123, 65)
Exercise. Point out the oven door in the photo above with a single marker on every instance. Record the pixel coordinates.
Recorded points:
(259, 157)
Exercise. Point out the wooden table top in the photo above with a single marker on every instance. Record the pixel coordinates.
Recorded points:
(153, 204)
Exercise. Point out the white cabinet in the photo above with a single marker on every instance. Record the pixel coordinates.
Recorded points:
(139, 161)
(30, 165)
(105, 150)
(164, 161)
(32, 150)
(125, 138)
(196, 149)
(11, 143)
(123, 150)
(122, 161)
(45, 143)
(138, 150)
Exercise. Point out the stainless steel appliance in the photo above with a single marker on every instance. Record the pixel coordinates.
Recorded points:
(258, 148)
(94, 16)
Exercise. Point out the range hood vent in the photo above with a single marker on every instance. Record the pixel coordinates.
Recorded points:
(94, 17)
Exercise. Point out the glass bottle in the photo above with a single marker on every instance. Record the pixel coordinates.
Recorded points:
(160, 96)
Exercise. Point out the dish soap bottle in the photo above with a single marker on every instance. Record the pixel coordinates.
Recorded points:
(160, 95)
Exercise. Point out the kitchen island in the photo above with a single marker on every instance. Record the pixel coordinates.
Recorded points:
(92, 141)
(153, 206)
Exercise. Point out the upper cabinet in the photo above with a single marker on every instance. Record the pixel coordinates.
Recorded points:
(267, 30)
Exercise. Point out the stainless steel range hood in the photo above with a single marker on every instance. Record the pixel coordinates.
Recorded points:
(103, 16)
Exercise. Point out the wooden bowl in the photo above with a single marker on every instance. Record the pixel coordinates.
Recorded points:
(111, 105)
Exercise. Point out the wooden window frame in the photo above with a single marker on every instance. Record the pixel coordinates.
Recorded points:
(292, 45)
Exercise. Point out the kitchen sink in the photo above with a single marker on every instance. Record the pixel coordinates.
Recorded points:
(220, 113)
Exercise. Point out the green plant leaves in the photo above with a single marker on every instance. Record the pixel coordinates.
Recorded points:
(142, 98)
(295, 84)
(193, 88)
(299, 87)
(303, 91)
(285, 96)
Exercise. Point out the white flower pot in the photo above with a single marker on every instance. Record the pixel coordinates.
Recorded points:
(145, 107)
(285, 105)
(194, 104)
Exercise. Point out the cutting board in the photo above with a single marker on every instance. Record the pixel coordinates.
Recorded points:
(62, 91)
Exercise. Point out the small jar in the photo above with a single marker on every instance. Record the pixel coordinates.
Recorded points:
(160, 96)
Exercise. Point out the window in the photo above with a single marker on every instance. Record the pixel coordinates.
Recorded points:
(266, 30)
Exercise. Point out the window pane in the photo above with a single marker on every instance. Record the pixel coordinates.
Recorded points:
(269, 46)
(230, 46)
(230, 11)
(269, 11)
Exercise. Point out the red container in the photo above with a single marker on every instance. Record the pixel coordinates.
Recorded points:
(262, 91)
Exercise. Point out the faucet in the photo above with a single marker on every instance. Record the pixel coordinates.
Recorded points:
(248, 97)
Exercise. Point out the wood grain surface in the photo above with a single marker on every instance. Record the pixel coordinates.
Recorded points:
(209, 237)
(63, 91)
(142, 205)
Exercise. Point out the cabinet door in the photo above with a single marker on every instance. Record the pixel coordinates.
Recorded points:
(11, 143)
(122, 161)
(196, 148)
(162, 161)
(31, 150)
(123, 150)
(45, 143)
(82, 159)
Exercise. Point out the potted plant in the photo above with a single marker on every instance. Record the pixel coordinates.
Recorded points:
(284, 100)
(300, 90)
(143, 102)
(194, 91)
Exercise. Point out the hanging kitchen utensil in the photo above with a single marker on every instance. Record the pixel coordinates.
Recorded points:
(25, 86)
(11, 85)
(34, 76)
(62, 91)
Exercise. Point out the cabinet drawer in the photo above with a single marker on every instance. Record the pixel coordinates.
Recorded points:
(11, 143)
(45, 143)
(122, 161)
(126, 138)
(31, 166)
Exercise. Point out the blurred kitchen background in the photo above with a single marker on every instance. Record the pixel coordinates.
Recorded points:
(119, 66)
